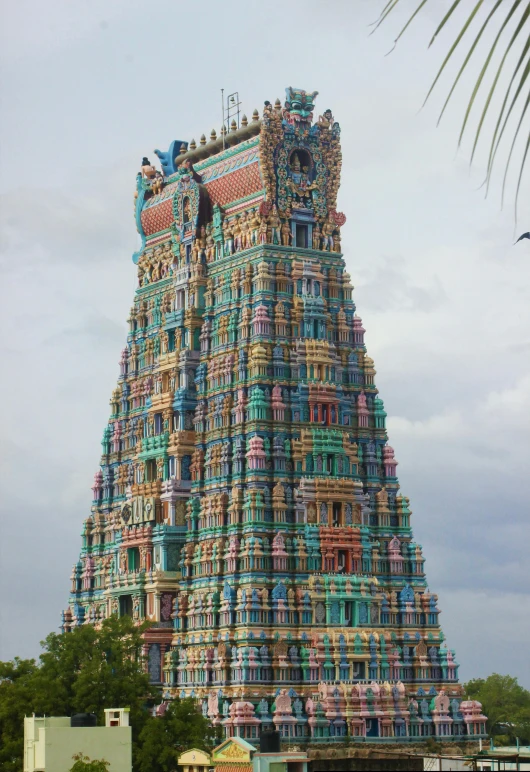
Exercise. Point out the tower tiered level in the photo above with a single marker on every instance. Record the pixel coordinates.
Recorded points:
(247, 503)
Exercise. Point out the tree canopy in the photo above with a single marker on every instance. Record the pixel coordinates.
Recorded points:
(506, 704)
(84, 671)
(163, 739)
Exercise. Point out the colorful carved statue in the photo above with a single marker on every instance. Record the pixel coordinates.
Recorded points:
(327, 235)
(325, 121)
(316, 236)
(275, 225)
(228, 236)
(299, 106)
(148, 171)
(286, 233)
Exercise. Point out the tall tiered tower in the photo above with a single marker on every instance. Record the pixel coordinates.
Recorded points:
(247, 503)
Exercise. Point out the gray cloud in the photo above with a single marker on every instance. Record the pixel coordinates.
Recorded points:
(386, 286)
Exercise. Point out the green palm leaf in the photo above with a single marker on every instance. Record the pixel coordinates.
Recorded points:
(501, 14)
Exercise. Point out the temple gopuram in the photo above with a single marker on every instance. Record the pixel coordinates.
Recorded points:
(247, 504)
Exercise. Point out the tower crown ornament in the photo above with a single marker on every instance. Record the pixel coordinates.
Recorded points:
(299, 105)
(247, 505)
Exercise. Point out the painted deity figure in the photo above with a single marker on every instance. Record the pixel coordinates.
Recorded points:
(210, 245)
(254, 227)
(286, 233)
(202, 244)
(245, 232)
(263, 230)
(158, 182)
(300, 183)
(144, 270)
(327, 235)
(295, 172)
(228, 236)
(316, 236)
(237, 235)
(299, 105)
(148, 171)
(274, 223)
(155, 273)
(186, 210)
(306, 186)
(326, 121)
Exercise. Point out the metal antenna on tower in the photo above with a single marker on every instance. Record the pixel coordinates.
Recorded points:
(223, 112)
(230, 111)
(232, 108)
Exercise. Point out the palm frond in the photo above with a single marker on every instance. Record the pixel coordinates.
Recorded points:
(518, 91)
(499, 17)
(520, 26)
(488, 59)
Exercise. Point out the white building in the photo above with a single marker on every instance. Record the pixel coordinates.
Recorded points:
(50, 743)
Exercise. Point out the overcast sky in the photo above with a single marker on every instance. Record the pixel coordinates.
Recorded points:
(90, 87)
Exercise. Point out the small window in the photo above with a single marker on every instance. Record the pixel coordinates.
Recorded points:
(301, 236)
(126, 606)
(133, 559)
(186, 210)
(159, 423)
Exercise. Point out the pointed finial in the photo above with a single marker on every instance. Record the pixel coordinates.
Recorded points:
(223, 130)
(233, 125)
(255, 115)
(202, 139)
(183, 148)
(213, 135)
(277, 105)
(193, 144)
(244, 121)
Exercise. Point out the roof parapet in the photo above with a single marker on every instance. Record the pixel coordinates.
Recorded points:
(216, 145)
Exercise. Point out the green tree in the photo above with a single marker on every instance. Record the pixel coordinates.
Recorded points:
(84, 764)
(86, 670)
(505, 61)
(16, 694)
(506, 704)
(89, 670)
(163, 739)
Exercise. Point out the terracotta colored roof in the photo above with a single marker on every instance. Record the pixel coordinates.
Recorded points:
(157, 218)
(235, 185)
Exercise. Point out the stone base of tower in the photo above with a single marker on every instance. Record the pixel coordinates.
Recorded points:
(370, 761)
(371, 758)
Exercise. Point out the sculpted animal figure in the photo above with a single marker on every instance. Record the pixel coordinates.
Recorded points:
(167, 159)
